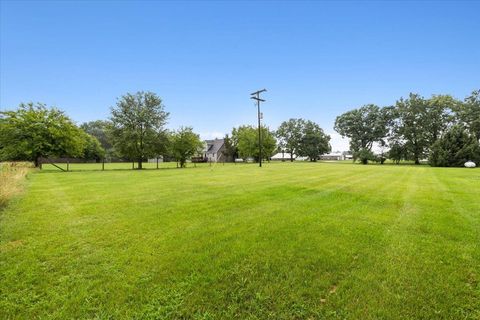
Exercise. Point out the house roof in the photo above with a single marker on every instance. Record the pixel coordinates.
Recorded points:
(213, 146)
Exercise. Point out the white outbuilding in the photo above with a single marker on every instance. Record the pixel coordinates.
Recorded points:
(283, 156)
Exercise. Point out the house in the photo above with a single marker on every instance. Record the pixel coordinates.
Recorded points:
(332, 156)
(213, 151)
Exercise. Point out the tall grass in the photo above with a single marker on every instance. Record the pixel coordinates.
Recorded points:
(12, 175)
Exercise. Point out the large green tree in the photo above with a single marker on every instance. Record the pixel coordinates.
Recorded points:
(184, 144)
(417, 123)
(364, 127)
(34, 131)
(413, 125)
(314, 141)
(454, 148)
(137, 126)
(246, 138)
(290, 134)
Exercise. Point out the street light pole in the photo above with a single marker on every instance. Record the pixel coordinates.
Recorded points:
(256, 96)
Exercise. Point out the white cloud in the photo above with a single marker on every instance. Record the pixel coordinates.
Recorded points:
(211, 135)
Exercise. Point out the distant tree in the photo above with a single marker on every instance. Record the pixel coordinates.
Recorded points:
(410, 128)
(455, 148)
(397, 152)
(137, 126)
(34, 131)
(162, 145)
(364, 127)
(439, 116)
(364, 155)
(413, 125)
(99, 129)
(247, 142)
(419, 122)
(290, 134)
(314, 141)
(269, 143)
(231, 151)
(185, 144)
(93, 149)
(468, 113)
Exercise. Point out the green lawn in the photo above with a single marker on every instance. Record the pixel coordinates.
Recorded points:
(286, 241)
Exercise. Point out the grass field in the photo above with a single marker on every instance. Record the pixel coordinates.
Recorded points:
(286, 241)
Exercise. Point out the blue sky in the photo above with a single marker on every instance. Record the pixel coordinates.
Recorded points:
(316, 59)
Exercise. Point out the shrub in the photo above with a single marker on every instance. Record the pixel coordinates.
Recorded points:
(364, 155)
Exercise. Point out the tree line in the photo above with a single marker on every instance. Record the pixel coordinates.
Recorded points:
(443, 130)
(136, 131)
(298, 137)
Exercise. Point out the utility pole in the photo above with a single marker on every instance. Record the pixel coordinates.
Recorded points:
(256, 96)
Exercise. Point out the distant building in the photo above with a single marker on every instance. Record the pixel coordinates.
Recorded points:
(285, 156)
(332, 156)
(300, 158)
(214, 149)
(282, 156)
(347, 155)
